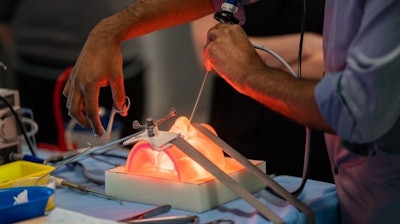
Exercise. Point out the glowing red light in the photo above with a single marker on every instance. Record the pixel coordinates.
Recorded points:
(172, 163)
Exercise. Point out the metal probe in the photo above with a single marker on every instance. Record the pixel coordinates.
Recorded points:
(229, 8)
(148, 214)
(83, 188)
(198, 97)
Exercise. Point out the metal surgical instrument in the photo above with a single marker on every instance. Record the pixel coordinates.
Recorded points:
(83, 188)
(106, 135)
(178, 219)
(148, 214)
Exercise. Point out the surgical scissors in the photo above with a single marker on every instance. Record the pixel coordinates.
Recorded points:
(106, 135)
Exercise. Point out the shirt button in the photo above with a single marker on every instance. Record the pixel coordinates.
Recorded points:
(336, 170)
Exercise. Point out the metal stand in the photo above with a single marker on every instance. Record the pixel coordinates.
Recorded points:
(163, 139)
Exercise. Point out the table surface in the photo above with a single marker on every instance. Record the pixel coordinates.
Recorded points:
(319, 196)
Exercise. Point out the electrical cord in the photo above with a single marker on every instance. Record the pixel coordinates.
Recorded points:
(86, 173)
(34, 126)
(21, 126)
(229, 8)
(307, 148)
(302, 30)
(277, 57)
(28, 118)
(308, 131)
(103, 157)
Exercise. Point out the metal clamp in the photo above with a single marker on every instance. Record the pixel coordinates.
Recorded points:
(160, 140)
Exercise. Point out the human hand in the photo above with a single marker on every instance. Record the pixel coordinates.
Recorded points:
(230, 53)
(99, 65)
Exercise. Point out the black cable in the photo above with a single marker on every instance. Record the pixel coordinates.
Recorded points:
(226, 17)
(87, 175)
(21, 126)
(96, 156)
(304, 179)
(307, 148)
(302, 30)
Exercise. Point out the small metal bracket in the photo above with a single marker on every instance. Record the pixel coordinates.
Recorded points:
(160, 140)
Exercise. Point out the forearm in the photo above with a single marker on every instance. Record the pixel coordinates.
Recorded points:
(199, 29)
(286, 46)
(145, 16)
(286, 95)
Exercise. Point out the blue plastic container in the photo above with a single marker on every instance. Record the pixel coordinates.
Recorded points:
(36, 205)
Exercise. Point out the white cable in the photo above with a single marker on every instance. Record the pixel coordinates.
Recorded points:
(307, 147)
(275, 55)
(34, 127)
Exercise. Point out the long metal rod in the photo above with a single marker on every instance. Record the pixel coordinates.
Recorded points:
(95, 148)
(226, 180)
(83, 188)
(86, 151)
(276, 187)
(198, 97)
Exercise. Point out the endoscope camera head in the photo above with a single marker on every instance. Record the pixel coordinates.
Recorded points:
(227, 15)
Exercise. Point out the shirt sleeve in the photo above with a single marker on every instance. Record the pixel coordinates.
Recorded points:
(362, 102)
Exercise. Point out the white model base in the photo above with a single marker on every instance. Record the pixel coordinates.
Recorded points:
(180, 195)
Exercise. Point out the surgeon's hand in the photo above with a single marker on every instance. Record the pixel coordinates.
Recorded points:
(99, 65)
(230, 53)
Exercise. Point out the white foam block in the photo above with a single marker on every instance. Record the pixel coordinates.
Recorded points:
(186, 196)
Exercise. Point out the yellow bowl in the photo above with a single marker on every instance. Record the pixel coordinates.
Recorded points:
(11, 172)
